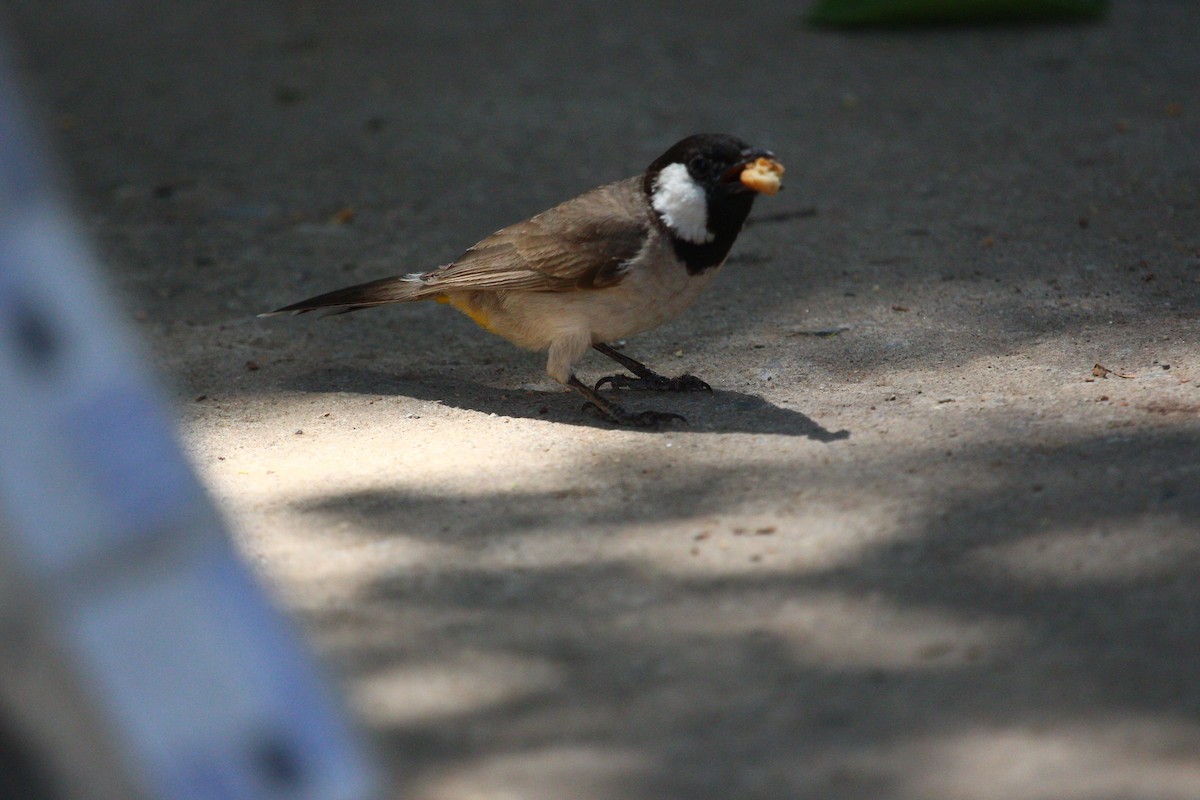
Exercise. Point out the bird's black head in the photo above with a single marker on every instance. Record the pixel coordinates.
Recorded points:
(701, 191)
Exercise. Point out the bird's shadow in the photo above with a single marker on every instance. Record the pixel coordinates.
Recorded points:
(721, 412)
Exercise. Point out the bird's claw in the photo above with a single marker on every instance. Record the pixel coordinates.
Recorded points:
(689, 383)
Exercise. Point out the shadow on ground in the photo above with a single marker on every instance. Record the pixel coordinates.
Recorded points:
(1033, 637)
(721, 412)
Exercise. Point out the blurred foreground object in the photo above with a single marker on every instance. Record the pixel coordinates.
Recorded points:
(863, 13)
(138, 658)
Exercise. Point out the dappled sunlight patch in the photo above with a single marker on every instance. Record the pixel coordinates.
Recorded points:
(831, 629)
(818, 538)
(457, 685)
(1104, 759)
(1116, 551)
(577, 772)
(310, 455)
(317, 564)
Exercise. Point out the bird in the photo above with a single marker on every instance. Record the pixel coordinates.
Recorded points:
(613, 262)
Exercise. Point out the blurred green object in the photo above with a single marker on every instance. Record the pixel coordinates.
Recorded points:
(856, 13)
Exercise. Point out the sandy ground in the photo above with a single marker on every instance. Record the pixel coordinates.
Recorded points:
(932, 556)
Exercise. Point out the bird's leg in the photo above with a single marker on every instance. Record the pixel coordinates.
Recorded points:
(646, 377)
(614, 413)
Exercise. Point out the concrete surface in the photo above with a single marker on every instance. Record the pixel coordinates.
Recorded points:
(932, 556)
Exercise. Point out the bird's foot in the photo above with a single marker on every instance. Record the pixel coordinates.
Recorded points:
(612, 412)
(647, 379)
(655, 383)
(632, 419)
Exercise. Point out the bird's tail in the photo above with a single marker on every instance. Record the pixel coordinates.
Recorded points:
(400, 289)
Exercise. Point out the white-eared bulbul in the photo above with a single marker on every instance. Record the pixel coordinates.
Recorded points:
(618, 260)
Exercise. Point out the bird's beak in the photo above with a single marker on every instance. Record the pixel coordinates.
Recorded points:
(758, 170)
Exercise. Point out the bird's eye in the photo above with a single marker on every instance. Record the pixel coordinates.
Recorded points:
(700, 165)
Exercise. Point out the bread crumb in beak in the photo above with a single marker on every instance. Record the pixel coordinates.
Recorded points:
(764, 175)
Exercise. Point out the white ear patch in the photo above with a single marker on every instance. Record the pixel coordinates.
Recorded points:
(681, 203)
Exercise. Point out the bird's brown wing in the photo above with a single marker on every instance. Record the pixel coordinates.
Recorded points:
(580, 244)
(583, 243)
